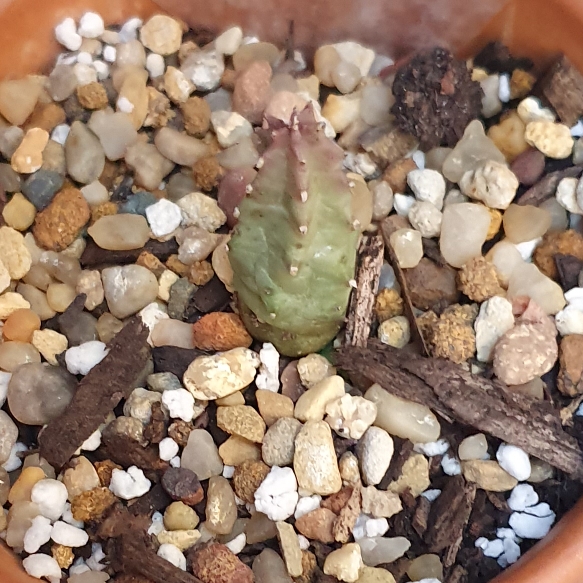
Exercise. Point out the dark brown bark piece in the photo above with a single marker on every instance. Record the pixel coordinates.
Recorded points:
(397, 462)
(95, 255)
(545, 188)
(362, 298)
(211, 297)
(421, 515)
(135, 554)
(182, 484)
(471, 400)
(155, 500)
(568, 269)
(458, 575)
(562, 87)
(408, 304)
(119, 520)
(155, 431)
(110, 381)
(173, 359)
(496, 58)
(126, 452)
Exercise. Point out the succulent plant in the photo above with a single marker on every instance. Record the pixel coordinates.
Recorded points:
(293, 251)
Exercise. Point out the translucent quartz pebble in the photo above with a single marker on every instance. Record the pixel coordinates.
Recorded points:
(60, 296)
(39, 393)
(37, 300)
(464, 228)
(84, 154)
(528, 280)
(559, 217)
(247, 54)
(180, 148)
(120, 232)
(525, 222)
(268, 567)
(18, 98)
(60, 266)
(473, 148)
(402, 418)
(196, 244)
(201, 455)
(115, 131)
(14, 353)
(435, 158)
(377, 99)
(20, 518)
(61, 82)
(378, 549)
(172, 333)
(474, 447)
(505, 257)
(8, 436)
(241, 155)
(425, 567)
(128, 289)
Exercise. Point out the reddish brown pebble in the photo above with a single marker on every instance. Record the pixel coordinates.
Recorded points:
(179, 431)
(182, 484)
(337, 501)
(197, 116)
(200, 273)
(252, 91)
(46, 116)
(571, 360)
(174, 264)
(291, 384)
(220, 331)
(528, 166)
(217, 564)
(151, 262)
(91, 504)
(61, 222)
(396, 174)
(105, 469)
(248, 477)
(565, 242)
(207, 173)
(431, 286)
(317, 525)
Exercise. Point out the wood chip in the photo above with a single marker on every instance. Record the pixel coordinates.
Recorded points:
(362, 298)
(545, 188)
(483, 404)
(100, 391)
(173, 359)
(421, 515)
(126, 452)
(94, 255)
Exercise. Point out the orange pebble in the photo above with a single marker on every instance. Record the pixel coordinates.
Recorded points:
(20, 325)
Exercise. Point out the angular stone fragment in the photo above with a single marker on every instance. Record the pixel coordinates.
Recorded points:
(243, 421)
(488, 475)
(290, 548)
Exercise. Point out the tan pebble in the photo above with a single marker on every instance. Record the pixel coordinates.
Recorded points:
(197, 116)
(38, 301)
(200, 272)
(348, 515)
(317, 525)
(552, 139)
(314, 368)
(105, 469)
(4, 277)
(375, 575)
(508, 136)
(46, 116)
(28, 157)
(290, 548)
(488, 475)
(10, 302)
(243, 421)
(495, 223)
(396, 174)
(21, 489)
(414, 476)
(92, 95)
(89, 283)
(60, 223)
(179, 516)
(21, 325)
(80, 477)
(161, 34)
(63, 555)
(248, 477)
(183, 539)
(177, 266)
(237, 450)
(221, 507)
(380, 503)
(165, 282)
(60, 296)
(105, 209)
(230, 400)
(49, 343)
(349, 468)
(388, 304)
(134, 90)
(345, 563)
(151, 262)
(19, 213)
(14, 253)
(176, 85)
(273, 406)
(252, 91)
(311, 406)
(91, 504)
(478, 279)
(159, 110)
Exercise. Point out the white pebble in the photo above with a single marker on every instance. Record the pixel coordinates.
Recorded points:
(41, 565)
(574, 297)
(151, 315)
(376, 527)
(229, 41)
(451, 465)
(228, 472)
(511, 553)
(268, 377)
(577, 129)
(566, 195)
(491, 548)
(514, 460)
(78, 567)
(529, 526)
(426, 218)
(427, 185)
(38, 533)
(307, 504)
(506, 533)
(67, 516)
(180, 404)
(92, 442)
(522, 497)
(91, 25)
(277, 496)
(84, 58)
(51, 497)
(14, 461)
(432, 448)
(431, 495)
(380, 62)
(97, 555)
(130, 484)
(4, 381)
(173, 555)
(175, 462)
(109, 53)
(387, 279)
(530, 109)
(230, 127)
(237, 544)
(85, 74)
(60, 133)
(504, 88)
(541, 510)
(155, 65)
(359, 528)
(526, 248)
(157, 525)
(419, 158)
(129, 31)
(168, 449)
(66, 34)
(304, 542)
(68, 535)
(403, 203)
(124, 105)
(81, 359)
(164, 217)
(101, 68)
